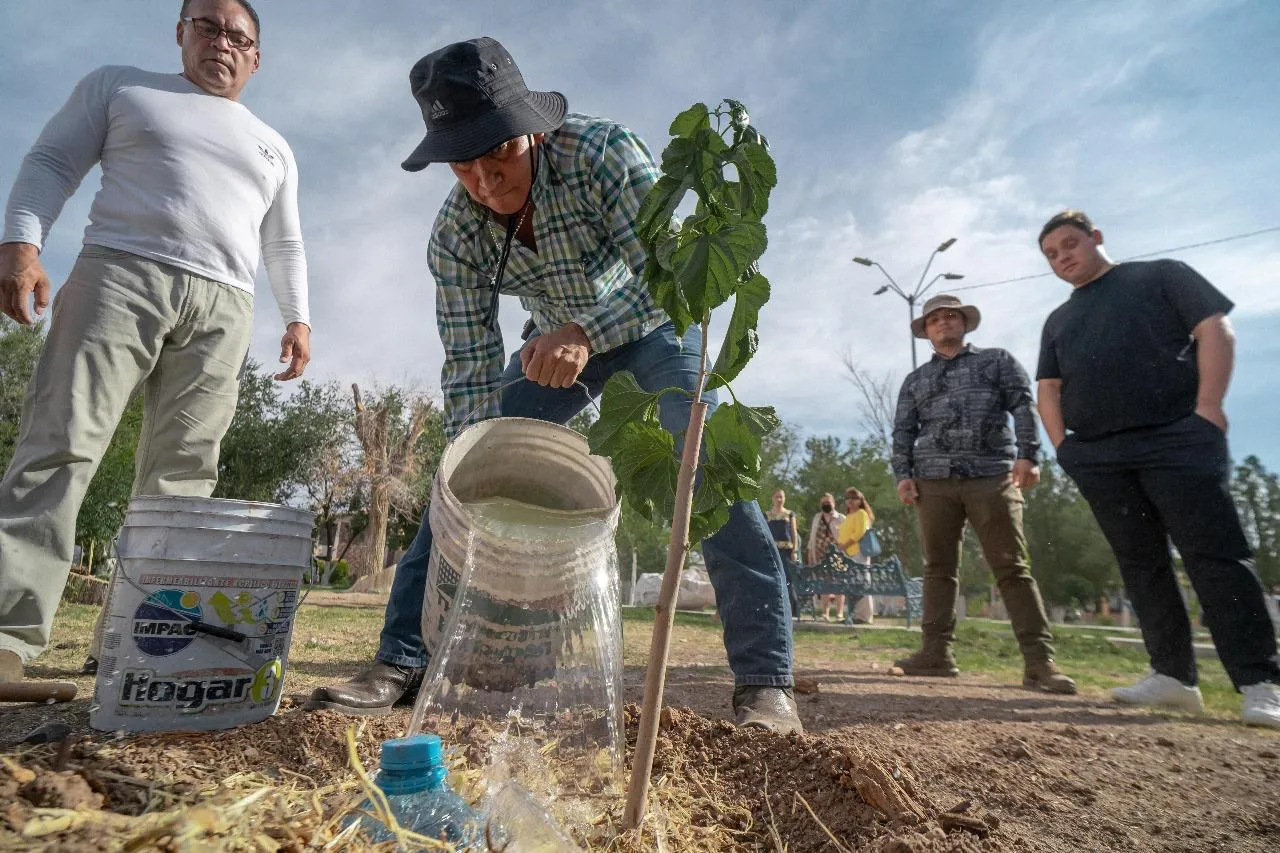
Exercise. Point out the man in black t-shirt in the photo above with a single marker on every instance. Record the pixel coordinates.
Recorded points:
(1135, 365)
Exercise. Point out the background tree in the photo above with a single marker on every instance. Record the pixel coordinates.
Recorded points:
(331, 484)
(111, 488)
(1257, 495)
(19, 351)
(876, 404)
(274, 440)
(388, 429)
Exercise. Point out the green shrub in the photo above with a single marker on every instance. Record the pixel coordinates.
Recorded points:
(341, 577)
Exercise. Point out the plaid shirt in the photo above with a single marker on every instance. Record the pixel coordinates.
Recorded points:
(592, 177)
(953, 417)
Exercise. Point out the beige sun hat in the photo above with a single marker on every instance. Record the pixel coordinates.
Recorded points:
(972, 317)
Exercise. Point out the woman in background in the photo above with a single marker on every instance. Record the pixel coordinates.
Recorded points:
(822, 535)
(786, 535)
(859, 517)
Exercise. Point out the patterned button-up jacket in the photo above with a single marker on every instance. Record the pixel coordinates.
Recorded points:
(952, 417)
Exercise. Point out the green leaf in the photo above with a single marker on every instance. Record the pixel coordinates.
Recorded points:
(624, 402)
(692, 121)
(731, 468)
(659, 206)
(757, 176)
(662, 287)
(709, 266)
(707, 522)
(741, 339)
(647, 469)
(695, 162)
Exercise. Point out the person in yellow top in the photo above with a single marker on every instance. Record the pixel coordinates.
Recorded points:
(859, 516)
(857, 521)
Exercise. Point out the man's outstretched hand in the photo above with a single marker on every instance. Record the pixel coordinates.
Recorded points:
(22, 276)
(554, 360)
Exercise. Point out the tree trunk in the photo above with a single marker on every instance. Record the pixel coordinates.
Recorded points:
(379, 509)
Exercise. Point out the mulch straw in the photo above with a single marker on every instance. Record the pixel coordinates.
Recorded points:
(293, 782)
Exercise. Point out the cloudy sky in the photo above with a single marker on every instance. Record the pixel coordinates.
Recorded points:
(895, 126)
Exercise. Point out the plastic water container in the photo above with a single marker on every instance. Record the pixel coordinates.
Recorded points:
(414, 778)
(521, 616)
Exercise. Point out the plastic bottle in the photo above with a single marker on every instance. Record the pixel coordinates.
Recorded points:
(413, 777)
(520, 824)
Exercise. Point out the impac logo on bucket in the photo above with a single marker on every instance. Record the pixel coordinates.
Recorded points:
(162, 622)
(144, 688)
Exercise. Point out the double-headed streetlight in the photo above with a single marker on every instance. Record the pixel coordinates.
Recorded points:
(920, 289)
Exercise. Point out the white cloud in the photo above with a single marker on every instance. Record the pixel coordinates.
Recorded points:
(1155, 117)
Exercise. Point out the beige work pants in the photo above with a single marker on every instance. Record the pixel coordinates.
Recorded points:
(119, 323)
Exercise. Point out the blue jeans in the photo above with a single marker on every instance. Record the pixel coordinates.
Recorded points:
(742, 559)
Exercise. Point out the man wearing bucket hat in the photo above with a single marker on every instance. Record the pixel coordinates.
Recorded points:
(1136, 364)
(195, 189)
(545, 208)
(956, 458)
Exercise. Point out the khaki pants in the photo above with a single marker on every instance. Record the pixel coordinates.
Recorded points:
(120, 323)
(993, 505)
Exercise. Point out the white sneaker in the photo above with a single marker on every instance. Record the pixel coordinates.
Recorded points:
(1262, 705)
(1161, 691)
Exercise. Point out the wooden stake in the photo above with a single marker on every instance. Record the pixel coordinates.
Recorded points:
(655, 677)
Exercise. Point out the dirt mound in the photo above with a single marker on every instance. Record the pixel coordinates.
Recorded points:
(803, 791)
(716, 788)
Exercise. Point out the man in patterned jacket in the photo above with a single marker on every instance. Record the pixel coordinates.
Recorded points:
(545, 208)
(956, 458)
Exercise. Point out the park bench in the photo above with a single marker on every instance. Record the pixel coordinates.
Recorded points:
(836, 574)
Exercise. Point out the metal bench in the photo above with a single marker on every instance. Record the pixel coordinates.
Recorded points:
(836, 574)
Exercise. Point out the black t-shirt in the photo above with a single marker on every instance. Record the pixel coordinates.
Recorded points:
(1123, 349)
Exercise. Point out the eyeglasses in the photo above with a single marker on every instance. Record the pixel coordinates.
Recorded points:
(498, 154)
(943, 315)
(210, 30)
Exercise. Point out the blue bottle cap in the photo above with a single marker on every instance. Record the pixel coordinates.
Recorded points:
(420, 752)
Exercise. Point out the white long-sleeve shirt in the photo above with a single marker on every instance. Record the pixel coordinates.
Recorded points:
(188, 178)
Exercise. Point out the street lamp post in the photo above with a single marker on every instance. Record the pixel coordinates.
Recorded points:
(920, 290)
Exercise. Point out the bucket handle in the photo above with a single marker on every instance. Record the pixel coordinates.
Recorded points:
(484, 401)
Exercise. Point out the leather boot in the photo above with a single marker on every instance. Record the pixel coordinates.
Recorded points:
(771, 708)
(377, 690)
(933, 660)
(1045, 675)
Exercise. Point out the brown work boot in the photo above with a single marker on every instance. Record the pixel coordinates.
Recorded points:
(934, 660)
(764, 707)
(376, 691)
(10, 667)
(1045, 675)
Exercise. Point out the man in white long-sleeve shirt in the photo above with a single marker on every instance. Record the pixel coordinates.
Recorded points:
(194, 190)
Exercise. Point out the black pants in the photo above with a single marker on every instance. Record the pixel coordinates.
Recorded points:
(1149, 485)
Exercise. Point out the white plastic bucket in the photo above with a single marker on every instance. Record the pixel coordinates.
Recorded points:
(523, 593)
(200, 614)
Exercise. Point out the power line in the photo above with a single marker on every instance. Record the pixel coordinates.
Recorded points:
(1130, 258)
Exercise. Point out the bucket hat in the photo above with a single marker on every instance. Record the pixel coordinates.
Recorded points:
(474, 98)
(972, 316)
